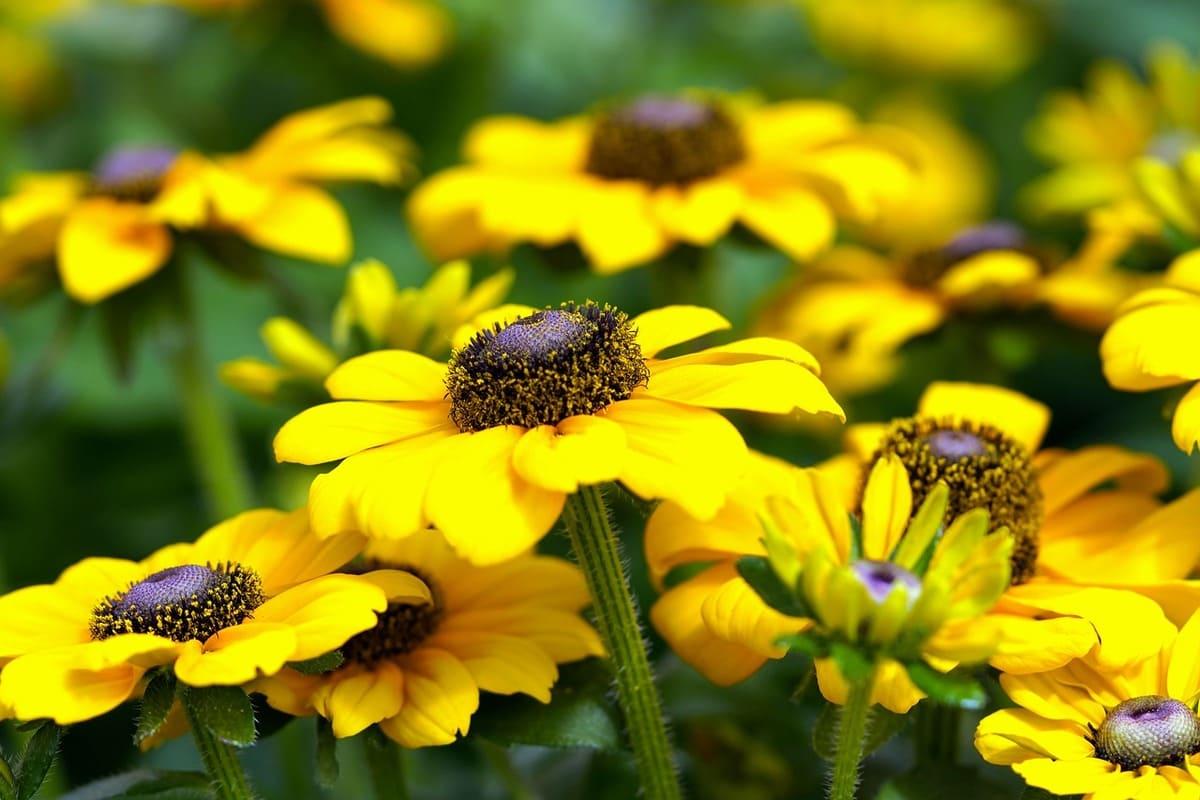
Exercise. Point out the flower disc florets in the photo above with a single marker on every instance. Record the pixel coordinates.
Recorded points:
(543, 368)
(982, 467)
(400, 629)
(133, 173)
(663, 140)
(184, 603)
(1150, 731)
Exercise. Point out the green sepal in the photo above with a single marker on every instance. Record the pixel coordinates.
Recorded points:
(319, 665)
(225, 711)
(327, 763)
(948, 688)
(807, 642)
(39, 754)
(766, 583)
(855, 667)
(157, 700)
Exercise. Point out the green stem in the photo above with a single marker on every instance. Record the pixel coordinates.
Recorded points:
(385, 764)
(220, 761)
(937, 732)
(598, 552)
(853, 722)
(207, 423)
(498, 758)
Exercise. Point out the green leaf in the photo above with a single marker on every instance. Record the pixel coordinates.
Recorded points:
(579, 713)
(807, 643)
(319, 665)
(949, 688)
(35, 762)
(854, 666)
(8, 783)
(824, 737)
(156, 704)
(757, 572)
(883, 726)
(225, 711)
(327, 763)
(144, 784)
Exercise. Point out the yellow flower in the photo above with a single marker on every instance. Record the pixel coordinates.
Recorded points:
(245, 599)
(1105, 730)
(419, 672)
(1089, 532)
(855, 308)
(373, 314)
(629, 183)
(1172, 190)
(984, 40)
(1151, 344)
(1095, 138)
(535, 404)
(114, 228)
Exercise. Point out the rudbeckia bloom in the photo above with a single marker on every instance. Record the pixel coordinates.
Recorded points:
(1106, 731)
(986, 40)
(1087, 527)
(855, 308)
(630, 182)
(245, 599)
(1151, 345)
(115, 227)
(1171, 189)
(487, 447)
(418, 673)
(373, 314)
(1096, 138)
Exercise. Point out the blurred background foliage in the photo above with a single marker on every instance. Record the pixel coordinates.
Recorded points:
(91, 463)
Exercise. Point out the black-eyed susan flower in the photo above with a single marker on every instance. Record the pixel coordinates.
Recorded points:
(373, 314)
(983, 40)
(249, 596)
(418, 673)
(530, 409)
(115, 227)
(1171, 190)
(1087, 525)
(1106, 730)
(1096, 138)
(1151, 344)
(631, 181)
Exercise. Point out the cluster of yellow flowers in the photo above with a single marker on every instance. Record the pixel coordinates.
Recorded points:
(932, 548)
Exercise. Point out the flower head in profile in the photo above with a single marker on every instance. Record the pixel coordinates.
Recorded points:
(418, 673)
(1106, 731)
(1151, 345)
(248, 597)
(532, 405)
(1093, 549)
(114, 227)
(373, 314)
(632, 181)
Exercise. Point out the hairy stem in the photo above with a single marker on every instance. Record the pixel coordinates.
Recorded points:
(853, 723)
(220, 761)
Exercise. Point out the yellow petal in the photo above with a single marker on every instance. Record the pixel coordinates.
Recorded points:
(42, 618)
(1080, 776)
(563, 635)
(293, 345)
(735, 613)
(367, 301)
(893, 690)
(1021, 417)
(989, 275)
(1183, 670)
(255, 378)
(886, 508)
(699, 213)
(1030, 645)
(324, 612)
(106, 246)
(796, 221)
(663, 327)
(402, 32)
(301, 221)
(1033, 735)
(673, 537)
(1064, 477)
(332, 431)
(579, 450)
(1185, 428)
(1143, 349)
(236, 655)
(501, 664)
(768, 386)
(617, 229)
(439, 698)
(357, 701)
(389, 375)
(526, 144)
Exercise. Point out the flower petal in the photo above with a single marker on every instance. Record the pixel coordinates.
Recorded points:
(439, 698)
(663, 327)
(579, 450)
(1021, 417)
(355, 702)
(106, 246)
(795, 220)
(237, 655)
(1185, 428)
(886, 508)
(325, 612)
(501, 664)
(301, 221)
(332, 431)
(767, 386)
(389, 375)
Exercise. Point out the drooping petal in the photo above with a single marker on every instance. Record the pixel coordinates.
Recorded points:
(237, 655)
(893, 690)
(439, 698)
(769, 386)
(324, 612)
(354, 702)
(1032, 734)
(1185, 428)
(1029, 645)
(301, 221)
(106, 246)
(616, 228)
(700, 213)
(500, 663)
(796, 221)
(1064, 477)
(579, 450)
(333, 431)
(735, 613)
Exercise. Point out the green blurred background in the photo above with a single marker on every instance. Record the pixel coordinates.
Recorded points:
(91, 464)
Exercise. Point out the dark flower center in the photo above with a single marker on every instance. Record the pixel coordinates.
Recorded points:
(1148, 731)
(543, 368)
(133, 173)
(880, 577)
(663, 140)
(926, 268)
(983, 468)
(400, 629)
(181, 603)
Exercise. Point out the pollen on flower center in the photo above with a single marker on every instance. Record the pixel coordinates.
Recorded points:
(400, 629)
(133, 173)
(181, 603)
(983, 468)
(543, 368)
(664, 140)
(881, 577)
(1148, 731)
(925, 268)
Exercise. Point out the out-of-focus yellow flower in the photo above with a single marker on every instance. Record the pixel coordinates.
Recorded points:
(1152, 344)
(1094, 549)
(1102, 729)
(114, 228)
(983, 40)
(1097, 136)
(1172, 190)
(633, 181)
(854, 308)
(419, 672)
(374, 314)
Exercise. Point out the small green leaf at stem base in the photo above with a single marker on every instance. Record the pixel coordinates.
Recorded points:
(761, 576)
(948, 688)
(36, 761)
(327, 763)
(157, 700)
(225, 711)
(319, 665)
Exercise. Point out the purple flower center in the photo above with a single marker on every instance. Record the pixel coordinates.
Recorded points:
(171, 585)
(1150, 731)
(954, 445)
(543, 333)
(132, 169)
(665, 113)
(880, 577)
(997, 235)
